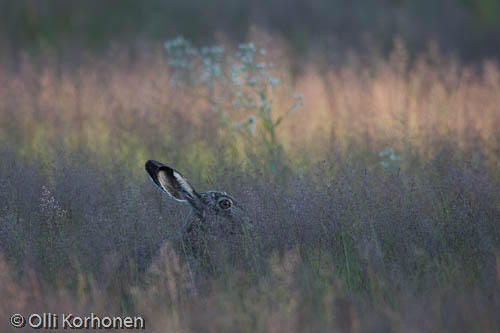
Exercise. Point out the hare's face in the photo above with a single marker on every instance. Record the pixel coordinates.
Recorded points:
(223, 211)
(220, 203)
(213, 211)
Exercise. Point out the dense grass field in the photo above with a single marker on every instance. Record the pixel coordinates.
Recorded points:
(375, 204)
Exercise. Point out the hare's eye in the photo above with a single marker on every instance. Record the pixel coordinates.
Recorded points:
(225, 204)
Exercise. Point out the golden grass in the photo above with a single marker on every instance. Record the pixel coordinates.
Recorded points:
(127, 108)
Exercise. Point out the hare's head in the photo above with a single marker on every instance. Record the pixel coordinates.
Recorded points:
(212, 212)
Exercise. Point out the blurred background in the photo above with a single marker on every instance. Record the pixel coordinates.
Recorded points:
(469, 28)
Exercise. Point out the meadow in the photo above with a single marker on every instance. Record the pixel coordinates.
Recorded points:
(375, 199)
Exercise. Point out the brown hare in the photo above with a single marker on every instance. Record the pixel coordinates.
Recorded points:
(216, 222)
(215, 217)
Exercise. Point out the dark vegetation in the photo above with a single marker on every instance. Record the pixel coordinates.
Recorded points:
(467, 27)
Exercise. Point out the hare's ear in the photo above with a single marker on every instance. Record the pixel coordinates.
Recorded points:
(170, 181)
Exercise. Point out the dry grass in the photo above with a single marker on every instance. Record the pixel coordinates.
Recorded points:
(126, 107)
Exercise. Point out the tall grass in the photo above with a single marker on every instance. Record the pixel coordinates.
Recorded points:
(347, 243)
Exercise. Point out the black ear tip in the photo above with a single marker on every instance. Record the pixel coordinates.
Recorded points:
(152, 164)
(152, 167)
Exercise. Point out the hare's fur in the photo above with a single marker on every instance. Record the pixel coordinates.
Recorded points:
(215, 221)
(214, 215)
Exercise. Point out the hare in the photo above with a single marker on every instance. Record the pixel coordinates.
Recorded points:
(215, 222)
(214, 217)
